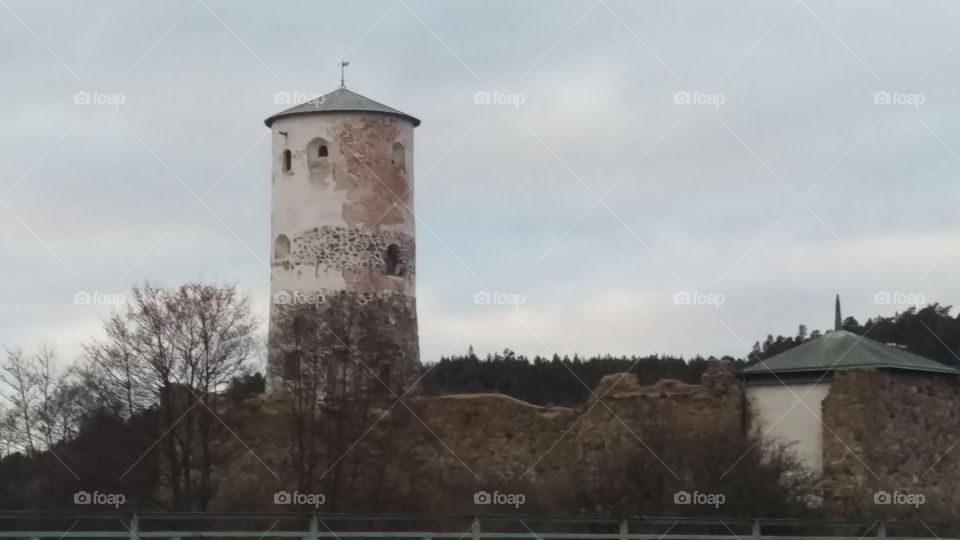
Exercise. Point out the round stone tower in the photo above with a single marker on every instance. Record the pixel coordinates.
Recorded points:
(343, 259)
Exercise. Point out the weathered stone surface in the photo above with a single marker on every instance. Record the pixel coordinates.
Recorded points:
(470, 442)
(375, 332)
(891, 432)
(357, 253)
(342, 224)
(883, 432)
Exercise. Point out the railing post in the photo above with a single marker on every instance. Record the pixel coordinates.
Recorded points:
(314, 527)
(882, 530)
(756, 529)
(475, 528)
(134, 527)
(624, 529)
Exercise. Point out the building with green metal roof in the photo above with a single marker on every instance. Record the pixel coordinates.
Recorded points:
(785, 392)
(840, 350)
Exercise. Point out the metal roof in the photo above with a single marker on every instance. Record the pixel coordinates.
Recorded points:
(840, 350)
(340, 100)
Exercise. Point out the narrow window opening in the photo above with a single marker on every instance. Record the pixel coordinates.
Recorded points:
(281, 247)
(287, 161)
(393, 261)
(398, 157)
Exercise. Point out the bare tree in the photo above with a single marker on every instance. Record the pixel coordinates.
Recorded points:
(52, 419)
(7, 431)
(16, 374)
(116, 374)
(42, 411)
(177, 349)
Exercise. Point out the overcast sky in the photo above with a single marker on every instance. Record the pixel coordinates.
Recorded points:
(738, 152)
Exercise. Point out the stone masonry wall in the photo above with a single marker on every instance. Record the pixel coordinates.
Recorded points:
(344, 248)
(356, 254)
(458, 444)
(888, 433)
(490, 440)
(334, 327)
(884, 433)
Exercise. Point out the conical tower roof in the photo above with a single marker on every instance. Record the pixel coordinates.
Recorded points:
(340, 100)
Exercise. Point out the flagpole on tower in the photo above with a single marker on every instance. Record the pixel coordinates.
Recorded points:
(343, 65)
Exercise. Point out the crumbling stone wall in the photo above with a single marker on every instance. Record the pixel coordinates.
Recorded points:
(883, 433)
(502, 439)
(891, 432)
(495, 437)
(459, 444)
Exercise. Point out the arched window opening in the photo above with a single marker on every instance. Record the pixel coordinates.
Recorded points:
(318, 152)
(393, 261)
(281, 247)
(399, 157)
(287, 161)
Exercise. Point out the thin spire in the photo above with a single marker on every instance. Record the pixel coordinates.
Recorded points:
(837, 319)
(343, 65)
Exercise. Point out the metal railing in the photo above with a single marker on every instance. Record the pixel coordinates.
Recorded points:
(182, 526)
